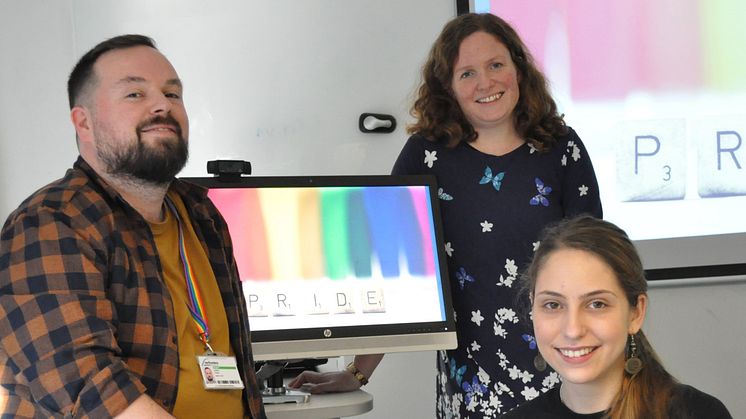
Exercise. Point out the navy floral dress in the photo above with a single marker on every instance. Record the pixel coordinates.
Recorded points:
(493, 210)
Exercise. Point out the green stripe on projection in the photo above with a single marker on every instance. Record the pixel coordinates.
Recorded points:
(724, 37)
(360, 250)
(334, 231)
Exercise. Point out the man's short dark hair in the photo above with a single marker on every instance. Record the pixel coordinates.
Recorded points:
(82, 74)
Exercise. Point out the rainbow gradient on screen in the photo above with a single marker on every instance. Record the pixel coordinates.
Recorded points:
(329, 232)
(608, 49)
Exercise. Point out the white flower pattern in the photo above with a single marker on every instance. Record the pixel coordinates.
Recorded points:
(551, 380)
(575, 153)
(511, 273)
(529, 393)
(499, 331)
(430, 157)
(476, 317)
(449, 249)
(511, 267)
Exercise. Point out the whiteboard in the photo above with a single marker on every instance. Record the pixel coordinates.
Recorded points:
(280, 84)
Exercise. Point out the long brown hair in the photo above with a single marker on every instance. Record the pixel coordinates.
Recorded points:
(646, 394)
(438, 115)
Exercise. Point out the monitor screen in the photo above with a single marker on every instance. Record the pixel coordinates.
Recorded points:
(338, 265)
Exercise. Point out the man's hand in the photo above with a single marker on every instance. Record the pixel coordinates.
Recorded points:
(144, 407)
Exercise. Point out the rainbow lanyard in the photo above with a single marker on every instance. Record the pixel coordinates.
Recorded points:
(194, 303)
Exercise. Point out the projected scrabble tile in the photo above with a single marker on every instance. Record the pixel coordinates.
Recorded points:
(651, 160)
(721, 156)
(372, 301)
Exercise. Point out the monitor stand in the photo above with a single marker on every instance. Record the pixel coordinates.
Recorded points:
(276, 392)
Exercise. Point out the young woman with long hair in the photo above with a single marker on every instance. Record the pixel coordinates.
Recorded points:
(588, 300)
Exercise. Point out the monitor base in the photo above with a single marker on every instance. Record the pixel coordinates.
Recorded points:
(275, 391)
(284, 395)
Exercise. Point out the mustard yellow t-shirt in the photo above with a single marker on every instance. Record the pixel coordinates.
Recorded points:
(192, 400)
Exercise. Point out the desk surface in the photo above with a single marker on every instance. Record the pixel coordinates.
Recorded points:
(323, 406)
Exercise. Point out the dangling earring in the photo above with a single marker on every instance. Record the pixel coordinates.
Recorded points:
(539, 363)
(633, 365)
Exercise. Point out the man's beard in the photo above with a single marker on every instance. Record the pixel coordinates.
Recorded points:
(156, 164)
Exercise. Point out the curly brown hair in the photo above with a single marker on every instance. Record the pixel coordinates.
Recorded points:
(438, 115)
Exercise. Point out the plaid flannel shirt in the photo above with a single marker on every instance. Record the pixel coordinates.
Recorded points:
(86, 322)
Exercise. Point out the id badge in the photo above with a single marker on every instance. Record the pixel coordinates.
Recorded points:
(219, 372)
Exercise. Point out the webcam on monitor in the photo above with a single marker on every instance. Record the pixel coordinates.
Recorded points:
(228, 169)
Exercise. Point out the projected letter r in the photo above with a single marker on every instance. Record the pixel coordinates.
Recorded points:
(731, 151)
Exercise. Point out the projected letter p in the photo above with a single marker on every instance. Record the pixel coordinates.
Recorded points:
(638, 154)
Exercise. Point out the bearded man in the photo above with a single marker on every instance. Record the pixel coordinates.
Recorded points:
(118, 281)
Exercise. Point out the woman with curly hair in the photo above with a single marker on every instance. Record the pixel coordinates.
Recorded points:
(507, 165)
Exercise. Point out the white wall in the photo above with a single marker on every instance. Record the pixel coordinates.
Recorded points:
(280, 114)
(697, 327)
(37, 143)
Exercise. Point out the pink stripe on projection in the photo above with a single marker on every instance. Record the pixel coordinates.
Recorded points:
(614, 47)
(607, 49)
(530, 20)
(420, 207)
(621, 47)
(240, 208)
(673, 34)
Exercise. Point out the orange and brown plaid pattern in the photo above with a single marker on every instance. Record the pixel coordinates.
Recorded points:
(86, 323)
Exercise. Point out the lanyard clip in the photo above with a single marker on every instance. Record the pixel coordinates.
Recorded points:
(206, 341)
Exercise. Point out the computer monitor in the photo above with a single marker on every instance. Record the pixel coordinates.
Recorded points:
(338, 265)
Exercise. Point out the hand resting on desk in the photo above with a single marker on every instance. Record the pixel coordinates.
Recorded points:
(325, 382)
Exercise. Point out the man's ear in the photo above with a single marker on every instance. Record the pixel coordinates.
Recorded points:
(82, 122)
